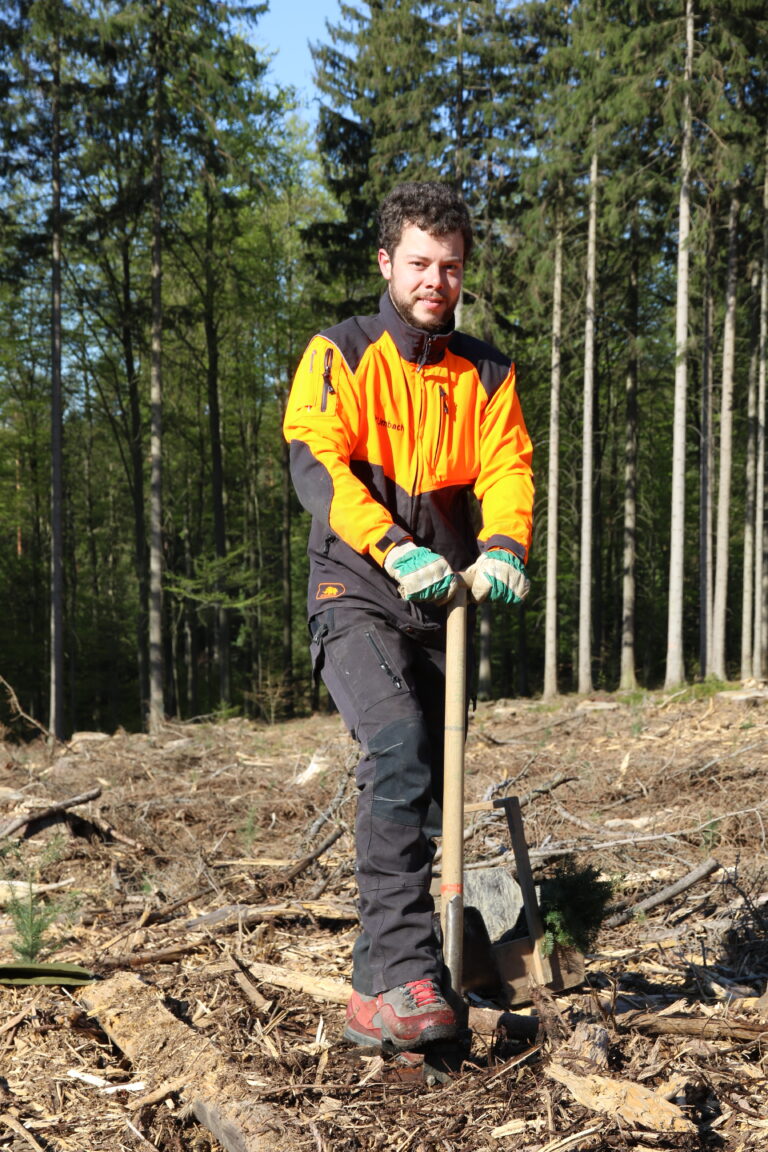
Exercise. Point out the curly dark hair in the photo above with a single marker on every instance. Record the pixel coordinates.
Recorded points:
(435, 208)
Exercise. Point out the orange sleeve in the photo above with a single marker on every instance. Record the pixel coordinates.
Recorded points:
(322, 425)
(505, 483)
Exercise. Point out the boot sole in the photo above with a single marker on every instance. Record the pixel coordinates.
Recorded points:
(427, 1036)
(363, 1039)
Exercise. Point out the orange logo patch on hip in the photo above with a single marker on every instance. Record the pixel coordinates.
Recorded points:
(329, 591)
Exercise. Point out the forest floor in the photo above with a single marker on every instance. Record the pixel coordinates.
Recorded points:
(188, 872)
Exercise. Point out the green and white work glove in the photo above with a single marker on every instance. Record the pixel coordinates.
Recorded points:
(420, 574)
(501, 575)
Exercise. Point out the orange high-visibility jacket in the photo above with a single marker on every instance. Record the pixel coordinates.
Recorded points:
(392, 430)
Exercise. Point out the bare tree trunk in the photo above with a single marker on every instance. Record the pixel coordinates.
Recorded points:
(759, 646)
(287, 642)
(750, 485)
(189, 624)
(675, 672)
(136, 452)
(56, 716)
(221, 623)
(250, 440)
(585, 578)
(706, 472)
(553, 475)
(484, 668)
(628, 679)
(719, 663)
(156, 660)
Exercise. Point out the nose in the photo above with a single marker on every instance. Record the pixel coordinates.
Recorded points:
(434, 277)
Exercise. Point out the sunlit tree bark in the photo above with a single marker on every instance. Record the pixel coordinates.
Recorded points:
(587, 454)
(720, 604)
(156, 657)
(675, 671)
(553, 481)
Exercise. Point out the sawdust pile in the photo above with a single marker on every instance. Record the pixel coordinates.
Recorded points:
(214, 856)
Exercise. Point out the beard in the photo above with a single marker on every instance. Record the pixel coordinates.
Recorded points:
(407, 308)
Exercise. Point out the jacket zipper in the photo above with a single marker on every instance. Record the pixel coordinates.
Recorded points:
(383, 661)
(425, 354)
(328, 389)
(419, 444)
(441, 423)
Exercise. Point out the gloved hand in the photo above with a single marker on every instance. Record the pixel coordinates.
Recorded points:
(420, 573)
(501, 575)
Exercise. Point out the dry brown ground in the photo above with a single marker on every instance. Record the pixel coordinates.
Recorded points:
(207, 817)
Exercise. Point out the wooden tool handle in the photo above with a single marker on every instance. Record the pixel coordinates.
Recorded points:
(452, 885)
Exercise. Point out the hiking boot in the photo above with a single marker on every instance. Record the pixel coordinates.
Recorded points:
(363, 1020)
(415, 1013)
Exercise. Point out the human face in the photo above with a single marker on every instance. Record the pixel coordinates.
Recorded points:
(424, 275)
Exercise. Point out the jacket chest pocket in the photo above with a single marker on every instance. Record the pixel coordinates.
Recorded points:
(442, 436)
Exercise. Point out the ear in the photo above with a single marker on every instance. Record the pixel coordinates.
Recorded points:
(385, 264)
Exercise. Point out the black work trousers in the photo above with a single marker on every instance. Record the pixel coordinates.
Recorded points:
(390, 690)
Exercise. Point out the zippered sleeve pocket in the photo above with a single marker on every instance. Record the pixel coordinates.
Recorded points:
(324, 375)
(328, 393)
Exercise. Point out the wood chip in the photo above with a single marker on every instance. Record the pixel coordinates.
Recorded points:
(622, 1100)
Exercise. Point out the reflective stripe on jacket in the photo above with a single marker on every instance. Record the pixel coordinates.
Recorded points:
(391, 431)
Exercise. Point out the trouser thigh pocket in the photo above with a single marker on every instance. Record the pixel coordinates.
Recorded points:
(364, 669)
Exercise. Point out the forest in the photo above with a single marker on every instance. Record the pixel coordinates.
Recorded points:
(173, 231)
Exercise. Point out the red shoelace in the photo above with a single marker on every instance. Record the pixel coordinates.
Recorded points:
(423, 992)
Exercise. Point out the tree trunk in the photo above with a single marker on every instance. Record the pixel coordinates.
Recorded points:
(719, 662)
(553, 481)
(189, 626)
(585, 581)
(221, 625)
(287, 588)
(156, 661)
(750, 483)
(628, 678)
(56, 711)
(136, 450)
(484, 666)
(675, 672)
(759, 645)
(706, 473)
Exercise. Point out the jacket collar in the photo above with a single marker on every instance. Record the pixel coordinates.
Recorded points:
(414, 344)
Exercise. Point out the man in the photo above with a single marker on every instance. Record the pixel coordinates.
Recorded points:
(394, 421)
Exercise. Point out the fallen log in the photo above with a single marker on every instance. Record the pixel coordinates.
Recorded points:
(170, 1052)
(234, 916)
(702, 1027)
(142, 959)
(669, 893)
(301, 865)
(33, 816)
(320, 988)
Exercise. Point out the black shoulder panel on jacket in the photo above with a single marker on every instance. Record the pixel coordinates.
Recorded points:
(492, 366)
(353, 336)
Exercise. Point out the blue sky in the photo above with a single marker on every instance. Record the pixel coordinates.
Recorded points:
(286, 30)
